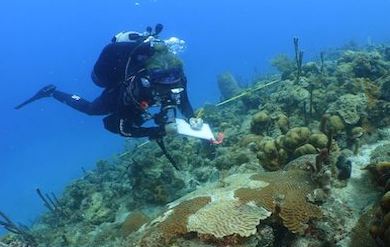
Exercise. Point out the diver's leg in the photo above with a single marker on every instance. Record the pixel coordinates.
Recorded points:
(74, 101)
(102, 105)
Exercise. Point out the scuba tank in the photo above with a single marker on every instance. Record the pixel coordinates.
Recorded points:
(124, 55)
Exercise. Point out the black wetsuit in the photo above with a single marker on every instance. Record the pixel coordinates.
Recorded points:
(125, 103)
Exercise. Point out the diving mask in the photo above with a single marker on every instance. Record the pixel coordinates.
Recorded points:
(166, 76)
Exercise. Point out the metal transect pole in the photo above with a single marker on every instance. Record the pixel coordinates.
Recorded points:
(248, 92)
(136, 147)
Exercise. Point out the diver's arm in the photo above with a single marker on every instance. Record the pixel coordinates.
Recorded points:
(185, 105)
(100, 106)
(131, 131)
(127, 128)
(151, 132)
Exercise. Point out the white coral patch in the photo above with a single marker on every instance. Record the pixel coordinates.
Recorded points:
(224, 218)
(223, 190)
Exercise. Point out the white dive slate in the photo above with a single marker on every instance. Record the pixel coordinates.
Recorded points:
(184, 128)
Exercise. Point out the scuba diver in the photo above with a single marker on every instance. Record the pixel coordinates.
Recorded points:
(137, 71)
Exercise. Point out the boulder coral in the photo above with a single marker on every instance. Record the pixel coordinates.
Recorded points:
(305, 149)
(271, 156)
(283, 123)
(336, 124)
(380, 227)
(318, 140)
(295, 138)
(260, 122)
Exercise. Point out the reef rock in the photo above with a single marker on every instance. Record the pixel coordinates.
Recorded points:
(380, 154)
(228, 85)
(350, 107)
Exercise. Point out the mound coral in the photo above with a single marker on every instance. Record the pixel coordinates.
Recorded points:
(305, 149)
(336, 124)
(283, 123)
(318, 140)
(295, 137)
(271, 156)
(260, 122)
(381, 172)
(380, 228)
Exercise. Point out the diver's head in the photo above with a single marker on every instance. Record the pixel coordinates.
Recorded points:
(132, 37)
(172, 76)
(164, 67)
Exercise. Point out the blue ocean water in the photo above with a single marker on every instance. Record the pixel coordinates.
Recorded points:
(46, 144)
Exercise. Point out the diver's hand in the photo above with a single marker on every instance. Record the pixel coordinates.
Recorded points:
(196, 123)
(171, 129)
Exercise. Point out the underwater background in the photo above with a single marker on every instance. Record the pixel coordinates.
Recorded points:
(46, 144)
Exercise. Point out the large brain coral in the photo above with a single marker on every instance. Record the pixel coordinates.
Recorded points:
(285, 196)
(226, 218)
(235, 207)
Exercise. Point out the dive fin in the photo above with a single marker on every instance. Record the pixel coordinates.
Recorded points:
(158, 29)
(44, 92)
(149, 30)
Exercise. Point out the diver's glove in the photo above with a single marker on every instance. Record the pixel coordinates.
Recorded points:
(196, 123)
(171, 129)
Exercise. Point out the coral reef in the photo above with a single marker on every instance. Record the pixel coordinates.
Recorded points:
(133, 222)
(260, 122)
(290, 171)
(380, 226)
(270, 155)
(227, 85)
(350, 107)
(344, 167)
(284, 65)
